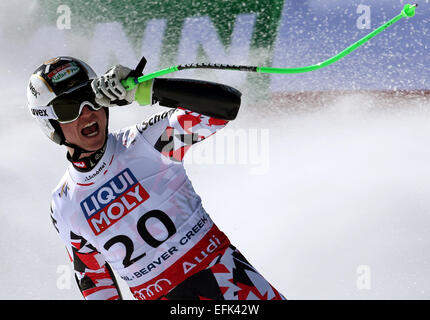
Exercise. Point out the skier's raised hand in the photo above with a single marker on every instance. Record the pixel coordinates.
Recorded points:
(108, 88)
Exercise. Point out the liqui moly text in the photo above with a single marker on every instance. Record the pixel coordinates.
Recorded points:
(113, 201)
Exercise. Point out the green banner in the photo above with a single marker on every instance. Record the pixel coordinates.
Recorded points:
(134, 15)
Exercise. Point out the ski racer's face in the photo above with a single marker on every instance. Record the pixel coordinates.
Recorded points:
(88, 131)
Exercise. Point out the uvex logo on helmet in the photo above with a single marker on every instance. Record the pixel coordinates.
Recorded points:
(33, 90)
(40, 113)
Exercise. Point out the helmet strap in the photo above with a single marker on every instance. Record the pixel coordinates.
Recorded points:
(77, 151)
(87, 163)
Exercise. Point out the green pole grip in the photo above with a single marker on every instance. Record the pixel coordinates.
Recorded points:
(130, 83)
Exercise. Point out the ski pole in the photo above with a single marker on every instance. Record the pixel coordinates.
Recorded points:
(408, 11)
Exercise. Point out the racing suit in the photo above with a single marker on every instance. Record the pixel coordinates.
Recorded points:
(135, 210)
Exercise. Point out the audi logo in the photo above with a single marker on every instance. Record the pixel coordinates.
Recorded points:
(151, 290)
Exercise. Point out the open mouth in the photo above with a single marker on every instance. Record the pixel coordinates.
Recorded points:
(90, 130)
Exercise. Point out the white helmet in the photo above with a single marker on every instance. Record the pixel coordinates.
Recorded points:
(55, 78)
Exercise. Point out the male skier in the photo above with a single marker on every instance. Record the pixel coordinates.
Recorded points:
(125, 201)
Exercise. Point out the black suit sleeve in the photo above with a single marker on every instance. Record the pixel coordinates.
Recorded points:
(204, 97)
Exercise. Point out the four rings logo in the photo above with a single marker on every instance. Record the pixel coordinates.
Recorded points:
(152, 289)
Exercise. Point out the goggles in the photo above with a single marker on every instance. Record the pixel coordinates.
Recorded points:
(68, 106)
